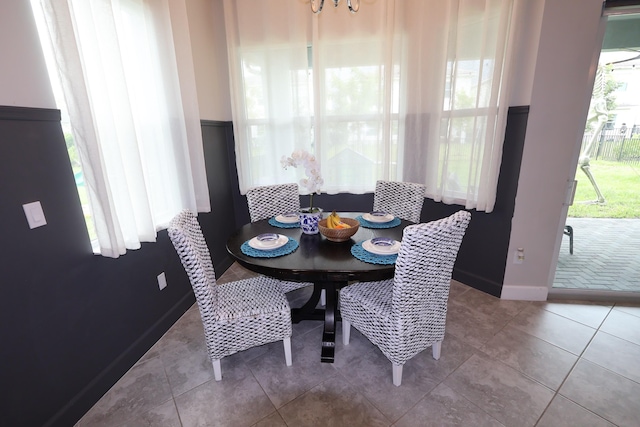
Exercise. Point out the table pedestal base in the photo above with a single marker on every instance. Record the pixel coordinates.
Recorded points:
(330, 315)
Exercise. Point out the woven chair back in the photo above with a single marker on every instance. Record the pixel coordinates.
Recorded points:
(401, 199)
(271, 200)
(188, 240)
(423, 272)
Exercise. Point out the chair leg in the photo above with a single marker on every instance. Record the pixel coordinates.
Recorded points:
(568, 231)
(287, 350)
(217, 371)
(323, 298)
(397, 374)
(346, 332)
(436, 347)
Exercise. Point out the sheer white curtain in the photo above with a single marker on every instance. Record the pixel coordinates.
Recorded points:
(133, 115)
(355, 64)
(403, 90)
(455, 104)
(272, 89)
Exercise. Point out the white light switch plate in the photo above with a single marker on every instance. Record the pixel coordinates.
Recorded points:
(34, 214)
(162, 281)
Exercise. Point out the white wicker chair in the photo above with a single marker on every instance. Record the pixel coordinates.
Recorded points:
(271, 200)
(236, 315)
(401, 199)
(406, 314)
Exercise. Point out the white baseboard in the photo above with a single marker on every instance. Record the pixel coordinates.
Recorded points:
(524, 293)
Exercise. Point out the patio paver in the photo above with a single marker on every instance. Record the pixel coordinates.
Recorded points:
(606, 255)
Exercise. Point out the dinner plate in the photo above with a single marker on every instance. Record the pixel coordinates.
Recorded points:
(288, 218)
(268, 241)
(381, 246)
(377, 216)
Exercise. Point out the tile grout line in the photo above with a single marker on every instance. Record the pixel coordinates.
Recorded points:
(556, 393)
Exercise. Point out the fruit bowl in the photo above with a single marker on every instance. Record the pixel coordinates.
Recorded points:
(339, 234)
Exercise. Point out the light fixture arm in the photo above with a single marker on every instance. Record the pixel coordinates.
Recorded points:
(317, 5)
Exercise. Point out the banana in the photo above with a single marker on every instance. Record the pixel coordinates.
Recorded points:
(334, 221)
(330, 221)
(337, 221)
(342, 225)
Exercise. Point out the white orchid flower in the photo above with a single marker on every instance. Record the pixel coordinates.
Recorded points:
(313, 182)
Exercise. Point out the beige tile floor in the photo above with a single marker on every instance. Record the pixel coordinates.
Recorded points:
(504, 363)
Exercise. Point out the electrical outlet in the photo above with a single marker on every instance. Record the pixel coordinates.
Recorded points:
(162, 281)
(518, 256)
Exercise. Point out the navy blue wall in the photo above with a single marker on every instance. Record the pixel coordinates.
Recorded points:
(72, 323)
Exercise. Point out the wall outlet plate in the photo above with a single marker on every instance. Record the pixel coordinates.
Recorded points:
(518, 256)
(162, 281)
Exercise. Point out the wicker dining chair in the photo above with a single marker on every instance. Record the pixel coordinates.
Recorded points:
(401, 199)
(236, 315)
(270, 200)
(406, 314)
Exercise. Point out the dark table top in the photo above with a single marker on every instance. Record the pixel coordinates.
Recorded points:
(316, 259)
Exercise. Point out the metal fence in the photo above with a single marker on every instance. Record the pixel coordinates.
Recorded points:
(617, 144)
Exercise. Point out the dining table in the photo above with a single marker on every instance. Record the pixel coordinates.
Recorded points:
(327, 264)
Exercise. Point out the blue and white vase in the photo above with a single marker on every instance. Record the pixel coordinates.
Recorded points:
(309, 220)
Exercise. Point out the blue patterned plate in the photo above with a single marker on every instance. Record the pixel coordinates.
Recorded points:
(288, 218)
(378, 216)
(381, 246)
(360, 253)
(288, 247)
(268, 241)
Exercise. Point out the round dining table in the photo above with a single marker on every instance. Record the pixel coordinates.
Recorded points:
(328, 265)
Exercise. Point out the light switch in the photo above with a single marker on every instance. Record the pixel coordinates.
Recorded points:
(162, 281)
(35, 215)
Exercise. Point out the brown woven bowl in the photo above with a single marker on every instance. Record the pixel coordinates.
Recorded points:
(339, 234)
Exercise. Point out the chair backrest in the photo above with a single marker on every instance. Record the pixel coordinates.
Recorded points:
(422, 277)
(186, 236)
(401, 199)
(270, 200)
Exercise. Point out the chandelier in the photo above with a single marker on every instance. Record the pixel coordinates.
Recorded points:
(353, 5)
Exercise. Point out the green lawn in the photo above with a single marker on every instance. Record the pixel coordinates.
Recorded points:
(620, 186)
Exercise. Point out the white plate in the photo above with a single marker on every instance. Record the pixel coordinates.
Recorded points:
(381, 250)
(270, 244)
(371, 217)
(288, 218)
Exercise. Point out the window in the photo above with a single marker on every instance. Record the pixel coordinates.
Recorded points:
(136, 136)
(408, 91)
(72, 149)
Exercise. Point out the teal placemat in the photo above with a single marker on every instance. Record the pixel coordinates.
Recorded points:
(368, 224)
(272, 221)
(286, 249)
(363, 255)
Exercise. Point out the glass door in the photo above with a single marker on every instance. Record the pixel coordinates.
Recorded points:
(600, 253)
